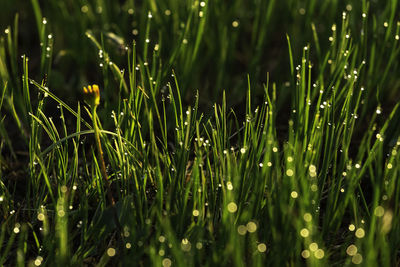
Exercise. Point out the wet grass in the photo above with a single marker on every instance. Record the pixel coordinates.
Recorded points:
(261, 133)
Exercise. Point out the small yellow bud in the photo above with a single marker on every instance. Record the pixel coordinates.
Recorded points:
(92, 95)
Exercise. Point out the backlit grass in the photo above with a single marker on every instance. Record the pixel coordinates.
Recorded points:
(228, 133)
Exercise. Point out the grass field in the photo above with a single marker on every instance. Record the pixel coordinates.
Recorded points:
(199, 133)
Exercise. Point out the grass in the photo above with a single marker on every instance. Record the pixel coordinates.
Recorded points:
(261, 133)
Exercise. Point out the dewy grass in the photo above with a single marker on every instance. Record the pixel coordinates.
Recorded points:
(295, 163)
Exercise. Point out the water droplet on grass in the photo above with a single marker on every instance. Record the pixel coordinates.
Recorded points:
(232, 207)
(111, 252)
(84, 9)
(305, 254)
(357, 259)
(304, 232)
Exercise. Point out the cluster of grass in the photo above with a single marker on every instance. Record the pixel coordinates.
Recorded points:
(295, 163)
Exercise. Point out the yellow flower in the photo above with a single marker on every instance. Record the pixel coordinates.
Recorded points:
(92, 95)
